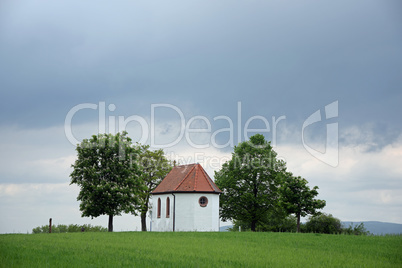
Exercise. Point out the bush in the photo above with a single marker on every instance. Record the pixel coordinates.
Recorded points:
(280, 224)
(328, 224)
(41, 229)
(273, 221)
(324, 224)
(72, 228)
(355, 230)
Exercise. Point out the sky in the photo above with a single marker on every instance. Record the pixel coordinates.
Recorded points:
(321, 80)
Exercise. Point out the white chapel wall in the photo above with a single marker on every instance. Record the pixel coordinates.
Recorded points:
(162, 224)
(190, 216)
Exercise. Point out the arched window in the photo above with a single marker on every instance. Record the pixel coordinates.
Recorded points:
(159, 207)
(167, 207)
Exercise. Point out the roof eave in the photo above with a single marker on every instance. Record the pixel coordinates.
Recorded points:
(187, 192)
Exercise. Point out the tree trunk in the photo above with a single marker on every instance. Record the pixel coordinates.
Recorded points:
(144, 222)
(253, 224)
(144, 215)
(298, 222)
(110, 227)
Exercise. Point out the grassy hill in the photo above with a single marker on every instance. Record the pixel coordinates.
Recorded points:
(136, 249)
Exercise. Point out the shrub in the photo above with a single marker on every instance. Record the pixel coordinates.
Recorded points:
(279, 224)
(323, 223)
(356, 230)
(273, 221)
(72, 228)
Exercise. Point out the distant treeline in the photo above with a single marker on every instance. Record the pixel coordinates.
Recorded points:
(72, 228)
(322, 223)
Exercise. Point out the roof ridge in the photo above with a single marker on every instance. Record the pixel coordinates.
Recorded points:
(207, 177)
(195, 179)
(185, 165)
(184, 178)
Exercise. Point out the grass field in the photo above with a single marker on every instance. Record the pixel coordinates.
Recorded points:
(136, 249)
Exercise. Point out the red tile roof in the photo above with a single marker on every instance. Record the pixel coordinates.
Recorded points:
(187, 178)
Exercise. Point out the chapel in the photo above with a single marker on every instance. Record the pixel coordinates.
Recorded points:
(186, 200)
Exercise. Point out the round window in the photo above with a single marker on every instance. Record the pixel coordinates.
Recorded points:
(203, 201)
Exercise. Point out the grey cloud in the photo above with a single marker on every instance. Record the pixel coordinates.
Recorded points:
(277, 58)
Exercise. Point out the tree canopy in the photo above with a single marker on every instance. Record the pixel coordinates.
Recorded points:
(250, 181)
(108, 176)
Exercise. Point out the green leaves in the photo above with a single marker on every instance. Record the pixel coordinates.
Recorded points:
(255, 184)
(298, 198)
(249, 181)
(154, 167)
(116, 176)
(107, 174)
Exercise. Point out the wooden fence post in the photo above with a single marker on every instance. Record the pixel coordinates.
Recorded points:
(50, 225)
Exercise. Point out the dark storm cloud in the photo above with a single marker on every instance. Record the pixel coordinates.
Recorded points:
(276, 58)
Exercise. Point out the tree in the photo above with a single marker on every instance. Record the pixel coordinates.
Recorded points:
(107, 175)
(154, 167)
(298, 198)
(250, 181)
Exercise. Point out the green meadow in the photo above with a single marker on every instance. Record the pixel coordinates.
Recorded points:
(228, 249)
